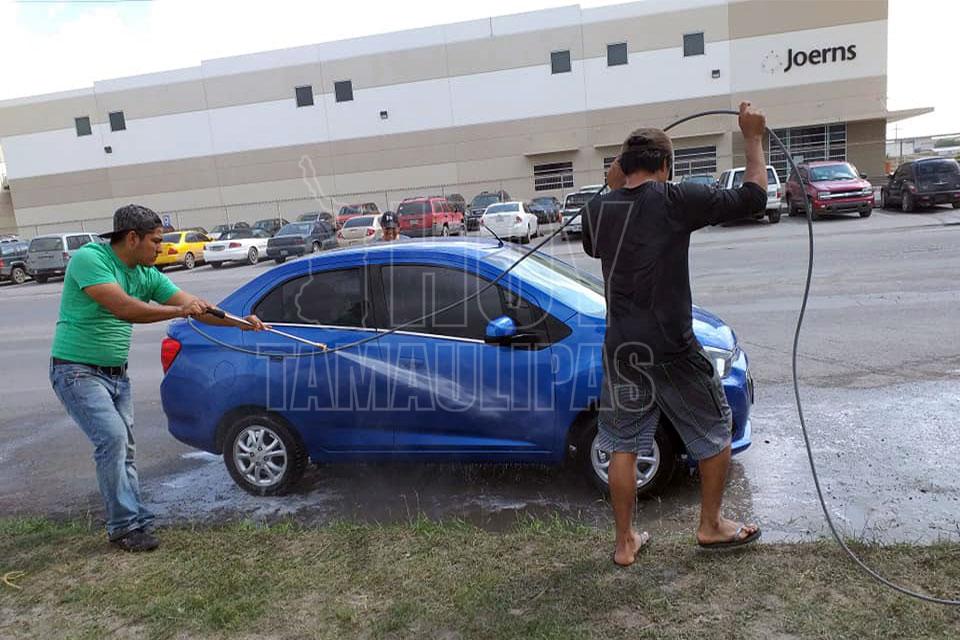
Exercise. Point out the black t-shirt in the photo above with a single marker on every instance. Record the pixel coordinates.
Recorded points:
(642, 237)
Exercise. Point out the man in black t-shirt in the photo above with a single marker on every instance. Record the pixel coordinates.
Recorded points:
(653, 364)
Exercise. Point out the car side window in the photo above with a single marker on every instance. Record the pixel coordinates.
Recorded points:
(413, 291)
(331, 298)
(75, 242)
(192, 237)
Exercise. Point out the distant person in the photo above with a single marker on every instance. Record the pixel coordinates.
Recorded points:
(391, 227)
(107, 289)
(653, 364)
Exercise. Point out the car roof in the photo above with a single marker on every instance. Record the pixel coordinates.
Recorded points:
(64, 235)
(821, 163)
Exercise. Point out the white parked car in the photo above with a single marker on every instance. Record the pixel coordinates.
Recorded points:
(360, 230)
(238, 245)
(734, 178)
(511, 221)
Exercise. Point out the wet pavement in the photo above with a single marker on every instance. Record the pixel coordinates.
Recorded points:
(880, 372)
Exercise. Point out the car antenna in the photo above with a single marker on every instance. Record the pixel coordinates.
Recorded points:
(499, 239)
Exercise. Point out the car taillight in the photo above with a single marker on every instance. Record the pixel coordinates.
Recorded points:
(172, 251)
(234, 245)
(169, 350)
(66, 256)
(370, 232)
(1, 263)
(779, 193)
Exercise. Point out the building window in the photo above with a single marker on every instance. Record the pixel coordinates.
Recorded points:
(83, 126)
(560, 62)
(616, 54)
(555, 175)
(694, 160)
(343, 90)
(304, 96)
(693, 44)
(117, 121)
(808, 144)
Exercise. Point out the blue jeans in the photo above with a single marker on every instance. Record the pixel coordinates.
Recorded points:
(103, 408)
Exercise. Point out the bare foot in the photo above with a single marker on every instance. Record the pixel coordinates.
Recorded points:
(626, 551)
(725, 531)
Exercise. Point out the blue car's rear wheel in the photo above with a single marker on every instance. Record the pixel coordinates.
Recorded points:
(654, 473)
(263, 455)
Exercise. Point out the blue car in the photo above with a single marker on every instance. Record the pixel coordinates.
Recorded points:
(512, 376)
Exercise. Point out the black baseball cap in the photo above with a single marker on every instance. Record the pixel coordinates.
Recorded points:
(133, 217)
(388, 220)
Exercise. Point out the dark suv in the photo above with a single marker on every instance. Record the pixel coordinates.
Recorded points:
(457, 202)
(270, 225)
(300, 238)
(480, 203)
(922, 183)
(551, 206)
(13, 261)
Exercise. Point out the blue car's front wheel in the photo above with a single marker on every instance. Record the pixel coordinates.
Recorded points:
(263, 455)
(654, 472)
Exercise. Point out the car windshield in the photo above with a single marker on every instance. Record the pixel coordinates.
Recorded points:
(237, 234)
(308, 217)
(359, 221)
(220, 228)
(413, 208)
(350, 210)
(46, 244)
(938, 169)
(506, 207)
(265, 224)
(832, 172)
(698, 179)
(296, 229)
(543, 201)
(576, 200)
(484, 201)
(10, 248)
(171, 237)
(576, 289)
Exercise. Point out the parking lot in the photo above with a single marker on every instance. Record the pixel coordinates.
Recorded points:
(879, 372)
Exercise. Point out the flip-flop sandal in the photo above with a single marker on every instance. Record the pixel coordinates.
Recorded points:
(733, 542)
(645, 542)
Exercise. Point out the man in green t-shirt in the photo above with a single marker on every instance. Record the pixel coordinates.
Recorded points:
(107, 289)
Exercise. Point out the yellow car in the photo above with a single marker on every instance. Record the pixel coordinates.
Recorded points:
(183, 248)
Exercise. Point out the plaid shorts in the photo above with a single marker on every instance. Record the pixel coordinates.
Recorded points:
(687, 391)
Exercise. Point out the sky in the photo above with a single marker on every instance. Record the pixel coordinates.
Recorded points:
(48, 46)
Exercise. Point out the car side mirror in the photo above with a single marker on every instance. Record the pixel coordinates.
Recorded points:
(500, 331)
(863, 176)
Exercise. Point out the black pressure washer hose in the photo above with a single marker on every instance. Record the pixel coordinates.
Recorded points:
(796, 342)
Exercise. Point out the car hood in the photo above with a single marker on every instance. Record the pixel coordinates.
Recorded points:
(840, 185)
(710, 330)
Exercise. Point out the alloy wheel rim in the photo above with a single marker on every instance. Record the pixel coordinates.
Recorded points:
(260, 456)
(647, 466)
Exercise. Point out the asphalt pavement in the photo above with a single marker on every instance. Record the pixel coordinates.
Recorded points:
(879, 369)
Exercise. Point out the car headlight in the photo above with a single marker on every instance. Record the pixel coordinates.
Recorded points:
(722, 360)
(823, 194)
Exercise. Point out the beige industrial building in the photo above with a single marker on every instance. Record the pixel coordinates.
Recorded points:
(535, 104)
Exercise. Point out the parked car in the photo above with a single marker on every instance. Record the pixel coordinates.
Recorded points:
(313, 216)
(457, 202)
(353, 210)
(47, 255)
(223, 228)
(301, 238)
(551, 206)
(480, 203)
(734, 178)
(831, 187)
(511, 221)
(572, 205)
(538, 334)
(360, 230)
(13, 261)
(922, 183)
(270, 225)
(543, 217)
(429, 216)
(699, 178)
(8, 238)
(184, 248)
(239, 245)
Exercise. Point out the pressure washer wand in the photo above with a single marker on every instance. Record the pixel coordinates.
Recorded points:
(223, 315)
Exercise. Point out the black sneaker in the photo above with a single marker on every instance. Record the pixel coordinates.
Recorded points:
(137, 541)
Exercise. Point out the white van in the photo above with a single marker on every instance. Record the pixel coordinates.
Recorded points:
(734, 178)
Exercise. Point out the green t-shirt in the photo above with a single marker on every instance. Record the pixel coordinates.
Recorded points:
(86, 331)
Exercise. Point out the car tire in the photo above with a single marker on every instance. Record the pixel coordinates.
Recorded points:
(280, 260)
(866, 213)
(189, 262)
(253, 256)
(773, 216)
(906, 203)
(18, 275)
(263, 455)
(809, 212)
(41, 279)
(652, 477)
(216, 265)
(956, 205)
(884, 199)
(316, 248)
